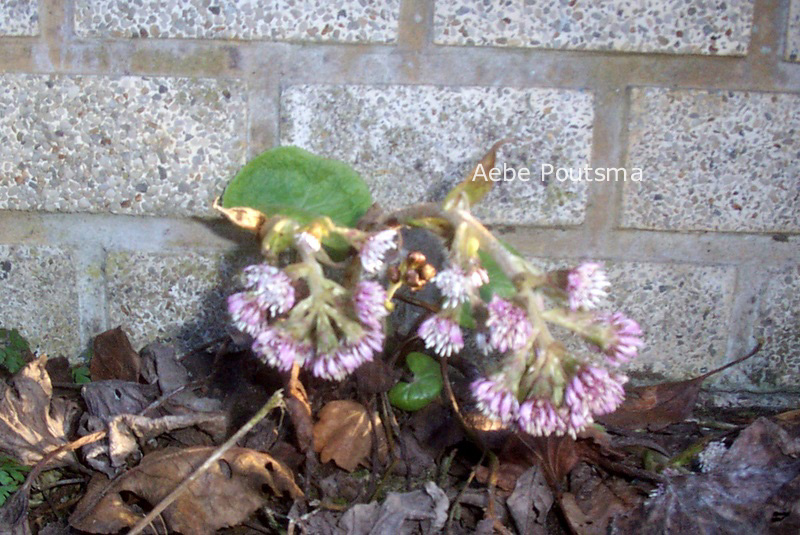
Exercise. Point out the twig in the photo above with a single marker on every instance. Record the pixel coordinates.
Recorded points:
(273, 402)
(430, 307)
(448, 389)
(448, 528)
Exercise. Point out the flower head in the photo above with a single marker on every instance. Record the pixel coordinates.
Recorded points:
(495, 399)
(441, 334)
(278, 348)
(591, 391)
(626, 339)
(375, 248)
(248, 316)
(586, 286)
(338, 364)
(457, 286)
(539, 417)
(509, 327)
(369, 299)
(272, 288)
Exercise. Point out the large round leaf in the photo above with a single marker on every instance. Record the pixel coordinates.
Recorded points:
(293, 182)
(425, 387)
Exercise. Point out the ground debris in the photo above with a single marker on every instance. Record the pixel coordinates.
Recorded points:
(223, 496)
(32, 422)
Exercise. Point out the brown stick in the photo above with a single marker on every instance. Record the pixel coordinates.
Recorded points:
(274, 401)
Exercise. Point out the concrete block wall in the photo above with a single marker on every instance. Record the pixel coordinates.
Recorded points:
(121, 120)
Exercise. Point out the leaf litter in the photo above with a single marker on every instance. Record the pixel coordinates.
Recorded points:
(152, 417)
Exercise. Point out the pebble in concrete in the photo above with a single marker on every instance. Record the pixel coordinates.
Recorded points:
(713, 160)
(128, 145)
(282, 20)
(672, 26)
(39, 297)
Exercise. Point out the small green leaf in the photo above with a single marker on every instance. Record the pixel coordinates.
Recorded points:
(426, 386)
(80, 374)
(296, 183)
(498, 283)
(12, 475)
(14, 350)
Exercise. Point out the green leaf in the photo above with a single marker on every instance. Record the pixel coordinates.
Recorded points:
(12, 475)
(80, 374)
(14, 350)
(426, 386)
(293, 182)
(498, 283)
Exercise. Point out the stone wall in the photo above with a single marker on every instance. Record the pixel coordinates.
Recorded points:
(120, 121)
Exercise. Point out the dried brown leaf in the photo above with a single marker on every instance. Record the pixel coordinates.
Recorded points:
(223, 496)
(655, 407)
(530, 502)
(114, 357)
(344, 434)
(247, 218)
(31, 423)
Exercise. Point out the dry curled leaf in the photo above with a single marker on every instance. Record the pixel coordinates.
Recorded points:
(225, 495)
(242, 216)
(114, 357)
(656, 406)
(31, 423)
(344, 433)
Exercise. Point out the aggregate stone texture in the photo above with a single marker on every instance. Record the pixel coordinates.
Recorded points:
(281, 20)
(127, 145)
(39, 297)
(172, 297)
(777, 365)
(19, 17)
(413, 143)
(793, 32)
(661, 26)
(683, 309)
(713, 160)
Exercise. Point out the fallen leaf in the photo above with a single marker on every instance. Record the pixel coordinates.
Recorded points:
(506, 476)
(344, 434)
(223, 496)
(732, 498)
(114, 357)
(116, 406)
(655, 407)
(419, 512)
(161, 366)
(556, 455)
(530, 502)
(31, 423)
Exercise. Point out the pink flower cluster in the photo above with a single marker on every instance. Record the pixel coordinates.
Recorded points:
(261, 311)
(586, 286)
(592, 391)
(509, 327)
(368, 300)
